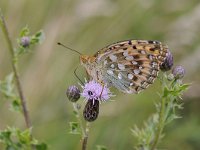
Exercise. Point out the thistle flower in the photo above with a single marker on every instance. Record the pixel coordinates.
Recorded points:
(168, 63)
(73, 93)
(95, 91)
(25, 41)
(178, 72)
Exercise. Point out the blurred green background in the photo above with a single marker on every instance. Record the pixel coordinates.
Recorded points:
(88, 25)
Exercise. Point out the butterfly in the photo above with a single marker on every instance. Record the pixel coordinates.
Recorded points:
(130, 66)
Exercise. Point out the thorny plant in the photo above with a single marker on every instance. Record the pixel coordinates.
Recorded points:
(11, 88)
(93, 92)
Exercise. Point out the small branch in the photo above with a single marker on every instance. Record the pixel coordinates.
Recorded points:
(16, 74)
(160, 126)
(85, 139)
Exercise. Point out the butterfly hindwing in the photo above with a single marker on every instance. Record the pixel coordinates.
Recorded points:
(132, 65)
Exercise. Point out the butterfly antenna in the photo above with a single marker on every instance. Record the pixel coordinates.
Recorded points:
(69, 48)
(78, 76)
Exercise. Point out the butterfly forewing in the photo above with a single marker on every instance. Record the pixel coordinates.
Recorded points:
(132, 65)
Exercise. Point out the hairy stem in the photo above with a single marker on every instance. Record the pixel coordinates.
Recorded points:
(160, 125)
(85, 131)
(85, 138)
(16, 74)
(78, 118)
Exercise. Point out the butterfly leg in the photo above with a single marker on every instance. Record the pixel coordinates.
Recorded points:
(78, 76)
(102, 90)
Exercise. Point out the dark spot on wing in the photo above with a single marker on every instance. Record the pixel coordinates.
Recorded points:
(129, 42)
(134, 47)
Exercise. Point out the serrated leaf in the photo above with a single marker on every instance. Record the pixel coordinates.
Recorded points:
(171, 118)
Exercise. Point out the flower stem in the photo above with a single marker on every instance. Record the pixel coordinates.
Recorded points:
(85, 138)
(16, 74)
(85, 131)
(160, 125)
(78, 118)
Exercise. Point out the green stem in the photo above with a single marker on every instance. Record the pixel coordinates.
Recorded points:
(160, 125)
(79, 118)
(85, 132)
(14, 67)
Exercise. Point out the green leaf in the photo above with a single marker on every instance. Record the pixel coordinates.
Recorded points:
(41, 146)
(74, 128)
(24, 136)
(184, 87)
(37, 37)
(5, 135)
(16, 139)
(171, 118)
(16, 105)
(7, 86)
(24, 32)
(166, 92)
(20, 50)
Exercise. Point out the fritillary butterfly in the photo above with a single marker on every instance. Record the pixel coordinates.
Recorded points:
(130, 66)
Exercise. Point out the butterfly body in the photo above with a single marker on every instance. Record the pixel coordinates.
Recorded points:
(130, 66)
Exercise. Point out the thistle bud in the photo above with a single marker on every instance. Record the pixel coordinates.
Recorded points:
(25, 41)
(73, 93)
(178, 72)
(168, 63)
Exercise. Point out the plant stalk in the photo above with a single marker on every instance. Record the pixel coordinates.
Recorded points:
(85, 138)
(16, 74)
(78, 118)
(160, 126)
(85, 131)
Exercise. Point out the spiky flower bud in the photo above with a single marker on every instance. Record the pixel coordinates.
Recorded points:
(25, 41)
(73, 93)
(178, 72)
(168, 63)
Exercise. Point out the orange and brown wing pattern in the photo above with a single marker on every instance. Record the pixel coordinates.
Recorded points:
(132, 65)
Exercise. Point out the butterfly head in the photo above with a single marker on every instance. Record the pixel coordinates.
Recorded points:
(89, 63)
(86, 60)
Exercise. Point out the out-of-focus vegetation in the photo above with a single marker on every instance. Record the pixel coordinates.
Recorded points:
(88, 25)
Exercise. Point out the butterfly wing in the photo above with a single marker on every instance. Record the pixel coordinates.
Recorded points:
(133, 65)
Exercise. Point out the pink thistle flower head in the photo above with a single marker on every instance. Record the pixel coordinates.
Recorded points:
(95, 91)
